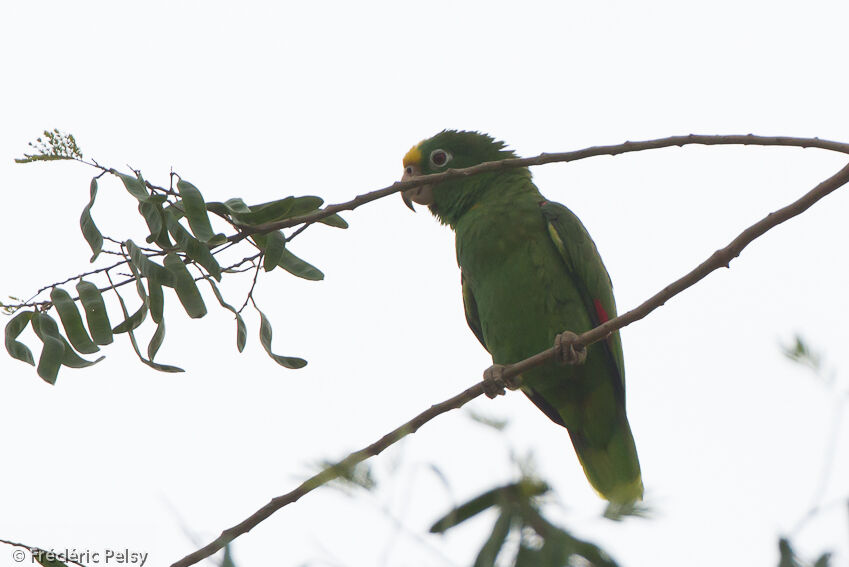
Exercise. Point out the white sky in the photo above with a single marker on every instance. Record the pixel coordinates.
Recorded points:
(263, 100)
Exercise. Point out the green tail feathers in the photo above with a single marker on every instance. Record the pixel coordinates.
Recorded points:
(612, 468)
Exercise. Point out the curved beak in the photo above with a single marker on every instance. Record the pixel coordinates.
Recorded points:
(408, 202)
(421, 194)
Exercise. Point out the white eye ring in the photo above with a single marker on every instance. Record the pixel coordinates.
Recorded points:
(438, 158)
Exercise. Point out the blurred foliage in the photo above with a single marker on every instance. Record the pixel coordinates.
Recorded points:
(540, 542)
(800, 352)
(227, 560)
(788, 558)
(496, 423)
(357, 476)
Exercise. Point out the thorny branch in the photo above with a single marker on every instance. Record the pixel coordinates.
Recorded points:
(720, 258)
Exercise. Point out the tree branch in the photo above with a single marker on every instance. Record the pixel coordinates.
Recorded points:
(329, 474)
(718, 259)
(542, 159)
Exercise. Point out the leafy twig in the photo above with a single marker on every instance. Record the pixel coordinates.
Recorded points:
(542, 159)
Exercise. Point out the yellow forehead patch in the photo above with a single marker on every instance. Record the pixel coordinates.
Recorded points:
(414, 156)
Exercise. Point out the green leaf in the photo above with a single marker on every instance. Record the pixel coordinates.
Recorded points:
(298, 267)
(824, 560)
(187, 291)
(193, 247)
(175, 209)
(236, 205)
(241, 330)
(15, 348)
(594, 555)
(241, 333)
(786, 556)
(147, 267)
(195, 209)
(153, 216)
(521, 491)
(230, 206)
(559, 546)
(156, 340)
(334, 220)
(89, 229)
(304, 205)
(266, 212)
(154, 365)
(272, 211)
(156, 300)
(46, 327)
(51, 353)
(265, 339)
(95, 313)
(287, 261)
(72, 322)
(227, 560)
(489, 552)
(802, 353)
(468, 510)
(261, 240)
(135, 187)
(132, 322)
(274, 248)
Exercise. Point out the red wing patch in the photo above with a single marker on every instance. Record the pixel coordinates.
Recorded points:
(600, 312)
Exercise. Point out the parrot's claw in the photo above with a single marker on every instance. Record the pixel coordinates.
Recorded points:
(566, 351)
(494, 381)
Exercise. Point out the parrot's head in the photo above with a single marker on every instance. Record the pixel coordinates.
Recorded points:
(455, 150)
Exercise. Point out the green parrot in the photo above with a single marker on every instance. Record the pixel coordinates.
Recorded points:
(529, 270)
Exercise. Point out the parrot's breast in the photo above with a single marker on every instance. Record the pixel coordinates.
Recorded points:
(523, 293)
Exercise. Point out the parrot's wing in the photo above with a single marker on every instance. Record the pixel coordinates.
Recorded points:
(589, 276)
(471, 308)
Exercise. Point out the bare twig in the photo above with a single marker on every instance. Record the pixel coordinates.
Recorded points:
(250, 296)
(245, 260)
(718, 259)
(72, 278)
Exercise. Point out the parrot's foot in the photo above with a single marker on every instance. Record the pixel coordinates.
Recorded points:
(494, 381)
(566, 351)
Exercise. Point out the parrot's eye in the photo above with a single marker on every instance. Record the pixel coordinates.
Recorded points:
(408, 170)
(439, 157)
